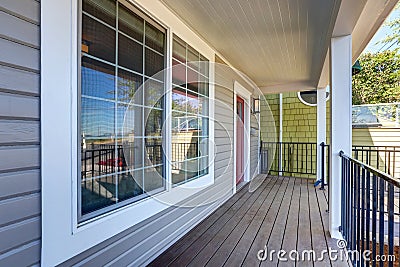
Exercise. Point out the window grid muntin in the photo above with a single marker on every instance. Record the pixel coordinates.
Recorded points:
(123, 33)
(116, 205)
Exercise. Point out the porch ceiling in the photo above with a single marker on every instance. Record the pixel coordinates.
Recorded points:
(274, 42)
(282, 45)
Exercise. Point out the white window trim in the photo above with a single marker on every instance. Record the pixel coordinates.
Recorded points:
(241, 91)
(327, 90)
(61, 237)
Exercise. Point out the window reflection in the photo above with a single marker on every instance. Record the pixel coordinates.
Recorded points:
(102, 9)
(98, 79)
(189, 114)
(130, 120)
(154, 38)
(153, 94)
(130, 23)
(179, 99)
(121, 154)
(193, 103)
(128, 87)
(130, 184)
(153, 121)
(93, 35)
(153, 178)
(97, 119)
(178, 73)
(154, 63)
(130, 54)
(154, 151)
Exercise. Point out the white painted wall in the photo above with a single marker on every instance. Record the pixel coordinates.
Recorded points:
(63, 238)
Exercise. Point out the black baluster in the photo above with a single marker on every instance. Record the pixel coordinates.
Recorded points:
(381, 218)
(390, 208)
(374, 216)
(368, 210)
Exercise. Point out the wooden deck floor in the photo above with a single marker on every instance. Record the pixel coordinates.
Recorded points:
(284, 213)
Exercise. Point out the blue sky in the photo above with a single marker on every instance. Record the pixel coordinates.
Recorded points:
(381, 34)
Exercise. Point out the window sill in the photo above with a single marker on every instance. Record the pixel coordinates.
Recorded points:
(161, 199)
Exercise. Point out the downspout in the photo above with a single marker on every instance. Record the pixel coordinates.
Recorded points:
(280, 133)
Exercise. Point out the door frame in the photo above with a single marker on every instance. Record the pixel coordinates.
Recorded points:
(242, 92)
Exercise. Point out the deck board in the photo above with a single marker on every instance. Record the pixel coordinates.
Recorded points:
(304, 234)
(322, 196)
(220, 216)
(290, 236)
(283, 213)
(275, 239)
(225, 249)
(264, 232)
(221, 229)
(319, 243)
(241, 250)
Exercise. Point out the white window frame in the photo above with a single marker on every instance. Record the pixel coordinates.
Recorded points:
(314, 105)
(62, 236)
(210, 105)
(104, 210)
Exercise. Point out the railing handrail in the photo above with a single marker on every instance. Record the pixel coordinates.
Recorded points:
(355, 146)
(371, 169)
(374, 150)
(305, 143)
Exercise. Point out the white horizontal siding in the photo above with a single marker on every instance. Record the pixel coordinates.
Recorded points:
(12, 79)
(20, 199)
(17, 132)
(19, 30)
(26, 9)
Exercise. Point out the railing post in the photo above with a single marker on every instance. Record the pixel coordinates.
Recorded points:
(322, 166)
(280, 159)
(260, 159)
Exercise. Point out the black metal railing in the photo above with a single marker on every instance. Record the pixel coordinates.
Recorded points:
(103, 159)
(370, 213)
(289, 157)
(384, 158)
(325, 158)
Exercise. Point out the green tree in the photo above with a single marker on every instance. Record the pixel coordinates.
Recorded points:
(379, 79)
(393, 38)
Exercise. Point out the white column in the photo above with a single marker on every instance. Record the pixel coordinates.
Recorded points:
(280, 133)
(341, 63)
(321, 126)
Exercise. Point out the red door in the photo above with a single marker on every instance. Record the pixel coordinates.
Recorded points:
(239, 140)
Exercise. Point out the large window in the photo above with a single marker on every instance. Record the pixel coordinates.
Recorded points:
(121, 139)
(190, 76)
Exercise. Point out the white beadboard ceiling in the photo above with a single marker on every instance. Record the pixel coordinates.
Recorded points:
(277, 43)
(282, 45)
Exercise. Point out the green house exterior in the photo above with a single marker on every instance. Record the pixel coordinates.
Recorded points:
(299, 122)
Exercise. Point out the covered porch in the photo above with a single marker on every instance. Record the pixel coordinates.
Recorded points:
(284, 213)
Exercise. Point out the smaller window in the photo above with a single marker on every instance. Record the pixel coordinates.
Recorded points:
(309, 98)
(190, 122)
